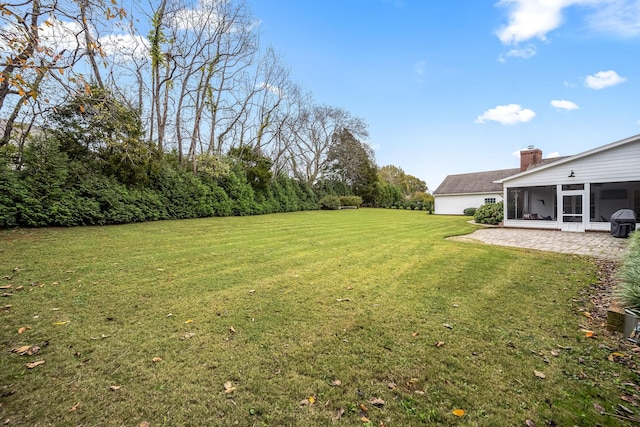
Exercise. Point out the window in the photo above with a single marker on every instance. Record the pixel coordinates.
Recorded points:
(532, 202)
(489, 200)
(570, 187)
(607, 198)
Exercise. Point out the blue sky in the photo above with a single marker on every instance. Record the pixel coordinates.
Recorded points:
(452, 87)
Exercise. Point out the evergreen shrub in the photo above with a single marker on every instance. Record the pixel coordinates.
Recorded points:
(489, 213)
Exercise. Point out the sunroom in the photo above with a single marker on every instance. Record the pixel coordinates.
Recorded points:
(578, 193)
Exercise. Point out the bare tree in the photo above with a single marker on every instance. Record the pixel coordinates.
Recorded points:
(313, 131)
(42, 41)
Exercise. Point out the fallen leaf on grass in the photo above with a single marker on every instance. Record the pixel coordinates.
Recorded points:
(414, 334)
(74, 407)
(376, 401)
(312, 400)
(6, 286)
(28, 350)
(232, 329)
(530, 423)
(613, 356)
(60, 323)
(229, 388)
(364, 419)
(448, 326)
(555, 353)
(23, 329)
(539, 374)
(363, 407)
(339, 414)
(145, 424)
(187, 336)
(587, 333)
(458, 412)
(188, 321)
(336, 383)
(343, 299)
(21, 350)
(156, 359)
(114, 387)
(34, 364)
(392, 385)
(587, 314)
(420, 392)
(599, 409)
(439, 343)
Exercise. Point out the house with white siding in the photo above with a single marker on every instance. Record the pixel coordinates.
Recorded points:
(469, 190)
(472, 190)
(576, 193)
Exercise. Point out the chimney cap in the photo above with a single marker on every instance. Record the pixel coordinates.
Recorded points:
(531, 147)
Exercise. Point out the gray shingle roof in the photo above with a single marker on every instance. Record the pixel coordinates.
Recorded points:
(482, 182)
(477, 182)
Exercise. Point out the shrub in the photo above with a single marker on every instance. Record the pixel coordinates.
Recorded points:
(490, 213)
(330, 202)
(350, 201)
(470, 212)
(628, 290)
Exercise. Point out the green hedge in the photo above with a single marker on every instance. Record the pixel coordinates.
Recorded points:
(350, 201)
(330, 202)
(469, 211)
(490, 213)
(50, 189)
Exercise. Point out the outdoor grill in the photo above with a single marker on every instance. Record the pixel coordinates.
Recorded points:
(622, 223)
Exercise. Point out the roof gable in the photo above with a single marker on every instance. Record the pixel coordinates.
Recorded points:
(564, 160)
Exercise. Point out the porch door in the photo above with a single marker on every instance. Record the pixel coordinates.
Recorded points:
(572, 218)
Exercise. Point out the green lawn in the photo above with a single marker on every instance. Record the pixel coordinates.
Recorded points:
(305, 317)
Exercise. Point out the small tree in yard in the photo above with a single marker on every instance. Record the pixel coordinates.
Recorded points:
(490, 213)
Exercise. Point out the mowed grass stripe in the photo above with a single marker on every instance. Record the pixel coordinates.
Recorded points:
(281, 306)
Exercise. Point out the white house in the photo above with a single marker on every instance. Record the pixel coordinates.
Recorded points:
(469, 190)
(575, 193)
(472, 190)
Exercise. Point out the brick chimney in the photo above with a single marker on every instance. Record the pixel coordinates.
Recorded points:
(529, 157)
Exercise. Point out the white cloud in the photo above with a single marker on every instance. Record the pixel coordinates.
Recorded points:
(530, 19)
(59, 35)
(618, 17)
(562, 104)
(507, 115)
(271, 88)
(125, 46)
(603, 79)
(523, 53)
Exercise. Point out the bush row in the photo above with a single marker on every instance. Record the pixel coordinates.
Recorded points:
(52, 190)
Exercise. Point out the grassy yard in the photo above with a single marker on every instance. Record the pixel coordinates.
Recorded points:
(297, 319)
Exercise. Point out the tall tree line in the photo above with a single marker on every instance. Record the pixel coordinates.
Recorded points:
(173, 78)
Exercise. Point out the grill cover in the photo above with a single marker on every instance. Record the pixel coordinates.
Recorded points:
(622, 222)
